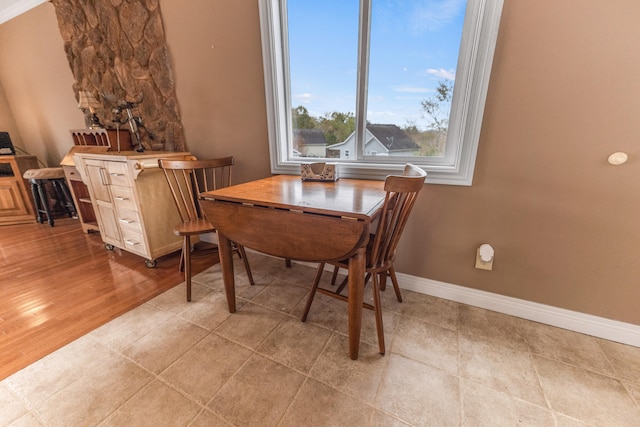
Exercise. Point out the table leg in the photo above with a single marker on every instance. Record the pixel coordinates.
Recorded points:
(356, 292)
(226, 263)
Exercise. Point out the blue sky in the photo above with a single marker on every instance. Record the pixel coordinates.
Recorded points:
(415, 45)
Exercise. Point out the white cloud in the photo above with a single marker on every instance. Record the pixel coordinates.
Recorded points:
(304, 98)
(442, 73)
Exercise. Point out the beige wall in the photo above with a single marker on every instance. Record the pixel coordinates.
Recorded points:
(38, 82)
(217, 59)
(564, 94)
(7, 122)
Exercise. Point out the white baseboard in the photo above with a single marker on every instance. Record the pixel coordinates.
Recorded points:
(600, 327)
(612, 330)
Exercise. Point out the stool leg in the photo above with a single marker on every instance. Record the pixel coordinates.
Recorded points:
(36, 199)
(64, 197)
(45, 203)
(69, 200)
(58, 201)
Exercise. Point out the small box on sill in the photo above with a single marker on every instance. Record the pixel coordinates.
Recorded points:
(319, 171)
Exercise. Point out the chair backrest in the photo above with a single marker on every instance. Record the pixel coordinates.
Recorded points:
(190, 177)
(402, 191)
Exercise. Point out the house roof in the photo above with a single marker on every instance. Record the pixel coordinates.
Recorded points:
(309, 137)
(392, 137)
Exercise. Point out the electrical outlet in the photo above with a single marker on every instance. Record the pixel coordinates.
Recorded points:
(481, 264)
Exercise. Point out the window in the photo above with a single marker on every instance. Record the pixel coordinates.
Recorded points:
(373, 84)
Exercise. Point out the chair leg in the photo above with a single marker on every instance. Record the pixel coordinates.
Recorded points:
(383, 281)
(334, 276)
(245, 260)
(316, 281)
(287, 263)
(377, 305)
(366, 278)
(181, 265)
(186, 251)
(396, 287)
(345, 282)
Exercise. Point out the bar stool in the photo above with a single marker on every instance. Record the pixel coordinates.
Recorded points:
(39, 179)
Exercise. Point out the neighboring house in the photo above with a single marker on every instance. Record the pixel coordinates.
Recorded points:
(380, 140)
(309, 142)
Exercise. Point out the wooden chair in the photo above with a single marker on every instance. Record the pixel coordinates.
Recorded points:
(188, 179)
(381, 249)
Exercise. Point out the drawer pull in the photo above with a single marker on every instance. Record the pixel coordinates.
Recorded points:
(127, 220)
(103, 179)
(131, 242)
(116, 174)
(122, 198)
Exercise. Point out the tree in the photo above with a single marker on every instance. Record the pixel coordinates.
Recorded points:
(435, 106)
(337, 126)
(302, 119)
(428, 140)
(438, 108)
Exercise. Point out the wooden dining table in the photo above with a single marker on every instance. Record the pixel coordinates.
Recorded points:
(310, 221)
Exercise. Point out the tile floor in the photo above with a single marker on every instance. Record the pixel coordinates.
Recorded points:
(173, 363)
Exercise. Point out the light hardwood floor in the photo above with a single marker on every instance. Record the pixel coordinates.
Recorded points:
(58, 283)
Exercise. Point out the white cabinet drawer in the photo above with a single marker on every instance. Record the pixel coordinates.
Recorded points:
(118, 174)
(128, 218)
(133, 240)
(123, 198)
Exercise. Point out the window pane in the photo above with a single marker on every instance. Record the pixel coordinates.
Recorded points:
(323, 52)
(472, 71)
(414, 49)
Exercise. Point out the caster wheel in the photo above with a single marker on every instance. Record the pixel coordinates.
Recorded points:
(108, 246)
(150, 264)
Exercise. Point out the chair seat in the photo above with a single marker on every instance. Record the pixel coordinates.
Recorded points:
(44, 173)
(195, 226)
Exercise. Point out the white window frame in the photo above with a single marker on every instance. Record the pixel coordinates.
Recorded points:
(480, 32)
